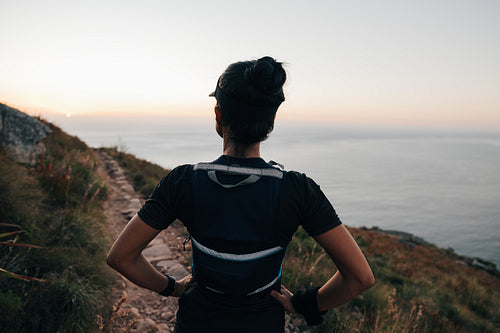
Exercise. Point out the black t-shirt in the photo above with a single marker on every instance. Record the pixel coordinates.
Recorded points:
(300, 202)
(296, 200)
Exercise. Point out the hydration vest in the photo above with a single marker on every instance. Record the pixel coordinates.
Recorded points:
(236, 249)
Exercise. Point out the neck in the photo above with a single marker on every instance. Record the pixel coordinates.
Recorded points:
(235, 149)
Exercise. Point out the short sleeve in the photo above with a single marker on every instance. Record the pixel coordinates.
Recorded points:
(303, 203)
(319, 215)
(162, 207)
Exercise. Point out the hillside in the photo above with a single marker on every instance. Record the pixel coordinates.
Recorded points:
(56, 203)
(52, 202)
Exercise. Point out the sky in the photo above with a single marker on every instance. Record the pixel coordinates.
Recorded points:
(420, 62)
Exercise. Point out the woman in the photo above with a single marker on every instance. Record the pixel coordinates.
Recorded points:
(241, 213)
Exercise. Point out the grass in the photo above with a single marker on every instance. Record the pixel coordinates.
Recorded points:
(418, 289)
(57, 205)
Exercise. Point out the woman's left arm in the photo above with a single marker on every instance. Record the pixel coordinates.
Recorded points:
(354, 274)
(126, 257)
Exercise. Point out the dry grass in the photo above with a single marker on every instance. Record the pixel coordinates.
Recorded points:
(418, 289)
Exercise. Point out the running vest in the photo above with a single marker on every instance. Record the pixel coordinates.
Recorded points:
(234, 235)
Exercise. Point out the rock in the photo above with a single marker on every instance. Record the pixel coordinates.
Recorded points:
(147, 310)
(167, 264)
(178, 271)
(147, 326)
(21, 134)
(134, 313)
(134, 204)
(163, 328)
(128, 188)
(157, 241)
(157, 252)
(167, 316)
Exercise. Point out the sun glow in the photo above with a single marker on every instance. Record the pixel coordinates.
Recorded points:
(343, 63)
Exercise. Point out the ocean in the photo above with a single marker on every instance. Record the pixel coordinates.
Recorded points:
(440, 184)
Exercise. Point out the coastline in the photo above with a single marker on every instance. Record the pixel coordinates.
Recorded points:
(429, 182)
(411, 241)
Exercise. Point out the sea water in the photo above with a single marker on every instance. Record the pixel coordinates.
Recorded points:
(439, 184)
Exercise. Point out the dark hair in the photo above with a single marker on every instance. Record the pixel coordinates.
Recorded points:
(248, 94)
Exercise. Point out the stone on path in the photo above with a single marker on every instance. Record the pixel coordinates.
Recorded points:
(167, 264)
(134, 204)
(157, 253)
(163, 328)
(178, 271)
(127, 188)
(134, 313)
(146, 326)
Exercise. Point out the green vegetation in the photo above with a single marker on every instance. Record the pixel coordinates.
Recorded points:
(57, 206)
(144, 175)
(418, 289)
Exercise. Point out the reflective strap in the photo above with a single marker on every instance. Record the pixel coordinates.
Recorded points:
(258, 290)
(236, 257)
(269, 172)
(266, 286)
(249, 180)
(214, 290)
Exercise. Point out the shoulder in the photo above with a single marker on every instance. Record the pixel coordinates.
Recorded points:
(292, 175)
(178, 175)
(296, 178)
(302, 187)
(179, 172)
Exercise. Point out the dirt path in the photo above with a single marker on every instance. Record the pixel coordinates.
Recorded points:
(138, 309)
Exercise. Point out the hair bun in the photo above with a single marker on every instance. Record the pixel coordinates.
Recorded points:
(267, 75)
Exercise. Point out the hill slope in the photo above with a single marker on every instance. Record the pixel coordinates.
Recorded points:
(56, 205)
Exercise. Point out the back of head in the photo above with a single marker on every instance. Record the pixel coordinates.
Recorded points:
(248, 94)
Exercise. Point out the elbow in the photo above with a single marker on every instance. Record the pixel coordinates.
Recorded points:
(369, 281)
(119, 261)
(366, 281)
(361, 283)
(113, 261)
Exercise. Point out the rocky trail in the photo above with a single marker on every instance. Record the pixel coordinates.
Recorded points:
(136, 309)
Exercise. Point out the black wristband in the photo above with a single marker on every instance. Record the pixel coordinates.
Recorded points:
(170, 287)
(306, 304)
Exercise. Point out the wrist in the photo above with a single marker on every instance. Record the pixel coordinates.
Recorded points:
(306, 304)
(170, 286)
